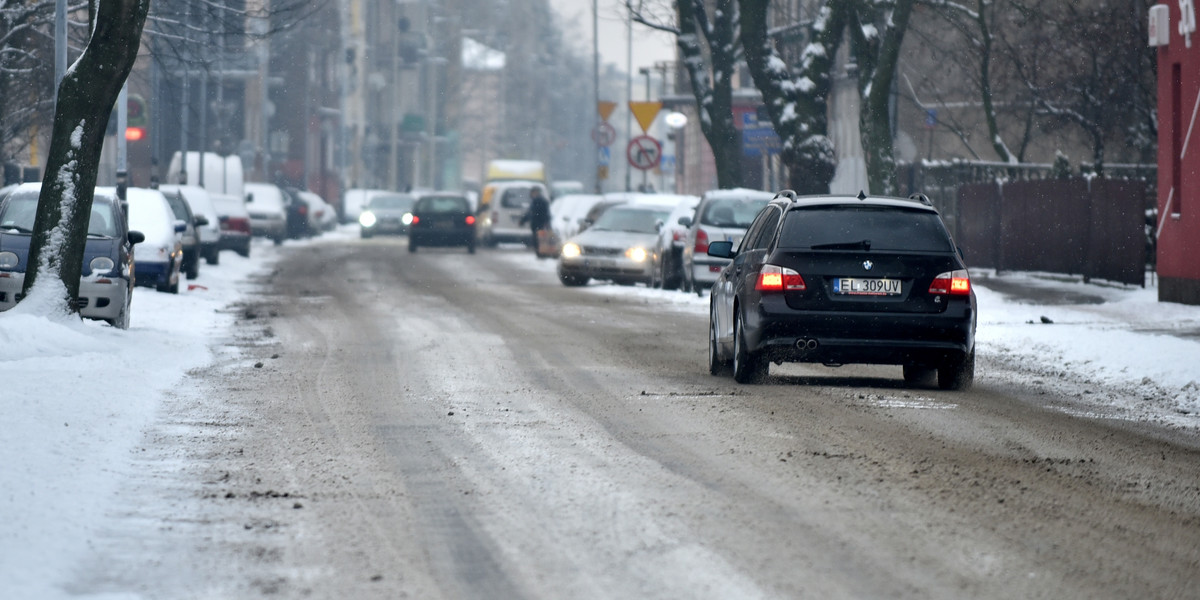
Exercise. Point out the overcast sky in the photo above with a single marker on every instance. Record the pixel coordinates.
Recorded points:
(648, 46)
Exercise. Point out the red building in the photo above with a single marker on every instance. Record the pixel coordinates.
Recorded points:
(1172, 29)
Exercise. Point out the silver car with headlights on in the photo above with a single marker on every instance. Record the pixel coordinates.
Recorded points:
(616, 248)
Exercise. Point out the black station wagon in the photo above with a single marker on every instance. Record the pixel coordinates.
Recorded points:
(842, 279)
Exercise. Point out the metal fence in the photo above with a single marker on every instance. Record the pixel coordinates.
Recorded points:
(1089, 227)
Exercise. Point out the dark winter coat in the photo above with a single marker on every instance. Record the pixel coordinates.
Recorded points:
(538, 215)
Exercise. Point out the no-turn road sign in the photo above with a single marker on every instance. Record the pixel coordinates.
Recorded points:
(644, 152)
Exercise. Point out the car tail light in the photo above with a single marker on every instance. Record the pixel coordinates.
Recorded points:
(677, 236)
(415, 220)
(470, 219)
(303, 210)
(951, 283)
(701, 242)
(774, 278)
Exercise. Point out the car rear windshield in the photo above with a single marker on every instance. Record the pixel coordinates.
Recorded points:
(442, 204)
(515, 197)
(731, 212)
(866, 227)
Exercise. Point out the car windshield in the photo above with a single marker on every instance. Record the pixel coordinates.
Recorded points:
(442, 204)
(19, 212)
(632, 220)
(103, 223)
(731, 212)
(391, 203)
(864, 228)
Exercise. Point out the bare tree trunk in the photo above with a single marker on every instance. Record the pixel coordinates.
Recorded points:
(877, 59)
(85, 100)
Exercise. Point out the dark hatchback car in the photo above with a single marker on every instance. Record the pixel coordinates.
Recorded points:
(105, 283)
(441, 220)
(839, 280)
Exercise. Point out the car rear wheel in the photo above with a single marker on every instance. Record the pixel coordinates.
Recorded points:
(957, 374)
(916, 375)
(748, 367)
(412, 245)
(471, 248)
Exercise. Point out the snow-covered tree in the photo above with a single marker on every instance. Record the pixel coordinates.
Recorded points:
(796, 95)
(85, 98)
(710, 48)
(877, 29)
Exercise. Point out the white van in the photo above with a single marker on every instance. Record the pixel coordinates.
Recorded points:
(500, 212)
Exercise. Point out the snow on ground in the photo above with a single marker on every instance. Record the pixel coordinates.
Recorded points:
(77, 395)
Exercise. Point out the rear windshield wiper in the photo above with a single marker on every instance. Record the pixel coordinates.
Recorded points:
(859, 245)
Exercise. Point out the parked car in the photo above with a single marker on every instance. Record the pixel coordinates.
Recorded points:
(722, 215)
(386, 213)
(299, 215)
(616, 247)
(268, 208)
(105, 283)
(568, 212)
(841, 279)
(158, 259)
(321, 215)
(190, 237)
(666, 259)
(500, 217)
(442, 219)
(201, 203)
(234, 221)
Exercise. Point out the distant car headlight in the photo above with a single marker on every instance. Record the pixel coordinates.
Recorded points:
(101, 265)
(8, 260)
(407, 219)
(571, 250)
(367, 219)
(636, 254)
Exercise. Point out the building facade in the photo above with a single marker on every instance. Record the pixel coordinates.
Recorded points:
(1173, 31)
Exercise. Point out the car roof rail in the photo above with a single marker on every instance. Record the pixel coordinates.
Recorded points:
(922, 198)
(789, 194)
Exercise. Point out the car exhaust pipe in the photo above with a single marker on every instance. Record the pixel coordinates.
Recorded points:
(806, 344)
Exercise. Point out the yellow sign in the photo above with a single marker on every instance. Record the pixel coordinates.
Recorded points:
(605, 109)
(645, 112)
(602, 172)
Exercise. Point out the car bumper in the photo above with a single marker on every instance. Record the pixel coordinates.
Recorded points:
(234, 241)
(386, 225)
(152, 273)
(100, 298)
(268, 228)
(511, 235)
(604, 267)
(460, 237)
(784, 334)
(706, 270)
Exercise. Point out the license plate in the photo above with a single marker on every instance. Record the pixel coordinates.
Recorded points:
(443, 225)
(855, 286)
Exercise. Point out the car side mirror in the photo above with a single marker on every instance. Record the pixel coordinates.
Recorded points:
(722, 249)
(685, 221)
(658, 225)
(249, 198)
(200, 220)
(135, 237)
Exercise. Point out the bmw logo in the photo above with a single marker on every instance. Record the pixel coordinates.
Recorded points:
(868, 264)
